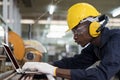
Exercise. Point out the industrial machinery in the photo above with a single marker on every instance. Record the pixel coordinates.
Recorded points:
(33, 50)
(24, 51)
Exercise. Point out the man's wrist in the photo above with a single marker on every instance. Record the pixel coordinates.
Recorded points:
(65, 73)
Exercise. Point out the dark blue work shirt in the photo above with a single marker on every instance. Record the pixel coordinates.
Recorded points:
(108, 53)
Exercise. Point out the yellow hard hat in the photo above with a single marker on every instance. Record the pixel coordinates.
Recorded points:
(78, 12)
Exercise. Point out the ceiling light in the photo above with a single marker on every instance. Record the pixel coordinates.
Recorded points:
(55, 22)
(27, 21)
(1, 3)
(51, 9)
(58, 28)
(61, 42)
(57, 31)
(55, 35)
(1, 32)
(115, 12)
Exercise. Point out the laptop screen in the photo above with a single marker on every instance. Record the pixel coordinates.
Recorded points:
(11, 56)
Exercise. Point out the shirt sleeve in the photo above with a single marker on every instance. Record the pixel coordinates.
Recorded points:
(108, 67)
(82, 61)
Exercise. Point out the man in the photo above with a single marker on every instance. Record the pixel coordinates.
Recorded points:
(88, 27)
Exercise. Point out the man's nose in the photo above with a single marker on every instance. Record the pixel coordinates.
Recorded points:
(75, 36)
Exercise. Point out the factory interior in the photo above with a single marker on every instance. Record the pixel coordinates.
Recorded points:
(35, 30)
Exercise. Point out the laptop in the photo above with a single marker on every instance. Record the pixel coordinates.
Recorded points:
(17, 67)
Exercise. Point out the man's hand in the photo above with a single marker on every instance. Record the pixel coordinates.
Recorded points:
(40, 67)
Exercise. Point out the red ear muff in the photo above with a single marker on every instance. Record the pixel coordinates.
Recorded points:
(93, 28)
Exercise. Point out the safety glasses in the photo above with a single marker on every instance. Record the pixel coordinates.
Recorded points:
(79, 29)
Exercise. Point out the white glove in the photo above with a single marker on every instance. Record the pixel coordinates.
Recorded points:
(41, 67)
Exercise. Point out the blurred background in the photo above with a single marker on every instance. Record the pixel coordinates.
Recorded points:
(36, 29)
